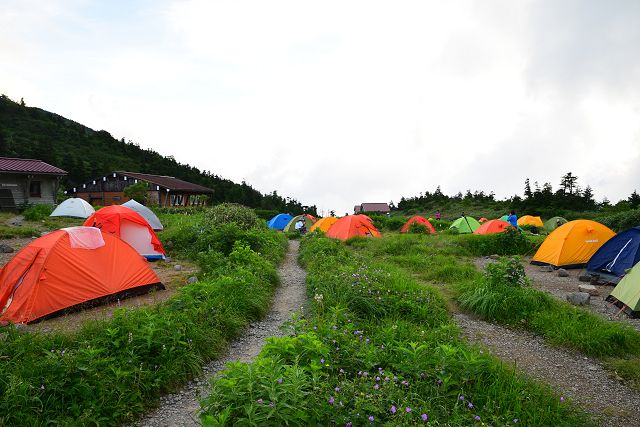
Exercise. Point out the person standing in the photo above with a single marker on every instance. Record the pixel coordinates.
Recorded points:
(438, 215)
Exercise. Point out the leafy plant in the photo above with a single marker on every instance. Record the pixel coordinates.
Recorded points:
(37, 212)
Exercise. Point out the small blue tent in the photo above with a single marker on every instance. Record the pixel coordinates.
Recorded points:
(618, 254)
(279, 221)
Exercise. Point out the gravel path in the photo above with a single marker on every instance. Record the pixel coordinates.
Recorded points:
(572, 374)
(181, 408)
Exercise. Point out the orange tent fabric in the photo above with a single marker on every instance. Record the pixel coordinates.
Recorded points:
(323, 224)
(61, 270)
(420, 220)
(493, 226)
(311, 217)
(352, 226)
(572, 244)
(483, 219)
(530, 220)
(111, 218)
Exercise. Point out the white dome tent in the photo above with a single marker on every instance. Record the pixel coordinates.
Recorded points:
(146, 213)
(76, 208)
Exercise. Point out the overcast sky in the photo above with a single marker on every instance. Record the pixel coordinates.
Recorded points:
(342, 102)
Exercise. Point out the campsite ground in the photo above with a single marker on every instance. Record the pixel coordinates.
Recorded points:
(166, 271)
(559, 287)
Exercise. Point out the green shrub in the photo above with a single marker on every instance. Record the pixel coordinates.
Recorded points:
(509, 242)
(37, 212)
(621, 220)
(417, 228)
(226, 213)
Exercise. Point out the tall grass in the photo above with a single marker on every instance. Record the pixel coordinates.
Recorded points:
(378, 348)
(113, 369)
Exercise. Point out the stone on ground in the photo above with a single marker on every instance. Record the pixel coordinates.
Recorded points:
(546, 268)
(585, 277)
(177, 267)
(563, 273)
(579, 298)
(590, 289)
(6, 249)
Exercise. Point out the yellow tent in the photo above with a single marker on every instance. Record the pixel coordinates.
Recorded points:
(530, 220)
(572, 244)
(324, 224)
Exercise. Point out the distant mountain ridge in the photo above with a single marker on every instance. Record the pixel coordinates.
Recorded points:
(30, 132)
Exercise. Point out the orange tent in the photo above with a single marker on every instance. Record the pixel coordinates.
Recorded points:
(483, 219)
(530, 220)
(311, 217)
(323, 224)
(67, 268)
(131, 227)
(572, 244)
(352, 226)
(493, 226)
(419, 220)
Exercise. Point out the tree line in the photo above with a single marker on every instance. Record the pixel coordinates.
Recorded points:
(28, 132)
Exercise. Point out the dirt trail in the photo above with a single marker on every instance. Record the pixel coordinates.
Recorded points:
(181, 408)
(572, 374)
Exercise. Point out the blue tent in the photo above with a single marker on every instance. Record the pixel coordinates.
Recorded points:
(618, 254)
(279, 221)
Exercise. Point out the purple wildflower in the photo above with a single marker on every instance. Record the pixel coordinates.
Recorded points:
(424, 417)
(515, 420)
(347, 425)
(407, 409)
(393, 409)
(365, 373)
(461, 397)
(477, 418)
(279, 380)
(377, 378)
(376, 386)
(337, 389)
(341, 371)
(322, 360)
(331, 400)
(371, 418)
(42, 387)
(470, 405)
(561, 398)
(260, 401)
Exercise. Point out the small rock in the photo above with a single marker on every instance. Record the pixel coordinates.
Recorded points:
(585, 277)
(192, 279)
(167, 259)
(494, 256)
(546, 268)
(6, 249)
(177, 267)
(590, 289)
(579, 298)
(562, 272)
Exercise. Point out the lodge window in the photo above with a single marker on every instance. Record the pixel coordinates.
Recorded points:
(34, 189)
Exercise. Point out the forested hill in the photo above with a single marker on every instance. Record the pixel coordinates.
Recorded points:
(29, 132)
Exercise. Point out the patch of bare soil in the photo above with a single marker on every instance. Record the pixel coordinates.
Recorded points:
(16, 244)
(560, 287)
(181, 408)
(572, 374)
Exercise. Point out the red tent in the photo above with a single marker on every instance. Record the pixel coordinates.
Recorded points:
(419, 220)
(67, 268)
(493, 226)
(131, 227)
(352, 226)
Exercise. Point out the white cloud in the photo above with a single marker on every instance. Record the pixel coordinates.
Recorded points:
(337, 103)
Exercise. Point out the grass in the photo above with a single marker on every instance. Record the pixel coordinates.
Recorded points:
(377, 348)
(113, 369)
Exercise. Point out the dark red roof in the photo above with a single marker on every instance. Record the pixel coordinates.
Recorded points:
(9, 164)
(375, 207)
(173, 184)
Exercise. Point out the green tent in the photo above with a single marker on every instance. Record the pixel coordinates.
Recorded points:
(291, 226)
(554, 223)
(626, 294)
(465, 224)
(504, 218)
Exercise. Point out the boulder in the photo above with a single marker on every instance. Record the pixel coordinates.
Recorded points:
(579, 298)
(177, 267)
(563, 273)
(585, 278)
(590, 289)
(6, 249)
(546, 268)
(192, 279)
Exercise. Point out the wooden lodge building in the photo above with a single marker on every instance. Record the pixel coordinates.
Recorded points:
(162, 191)
(26, 182)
